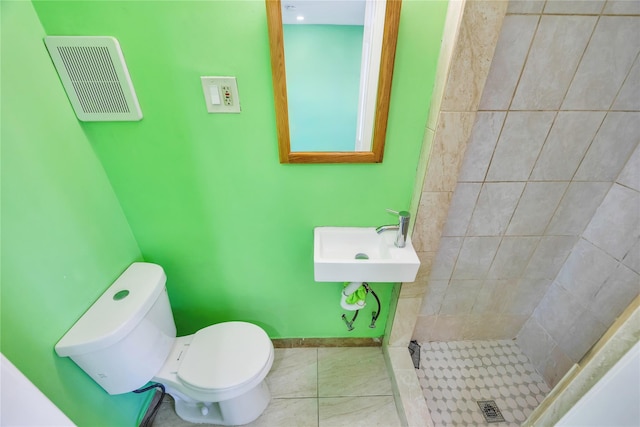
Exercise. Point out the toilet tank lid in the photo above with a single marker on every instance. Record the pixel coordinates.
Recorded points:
(120, 308)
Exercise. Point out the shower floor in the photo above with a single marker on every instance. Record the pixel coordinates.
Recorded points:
(456, 375)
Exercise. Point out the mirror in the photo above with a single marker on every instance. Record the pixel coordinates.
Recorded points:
(368, 94)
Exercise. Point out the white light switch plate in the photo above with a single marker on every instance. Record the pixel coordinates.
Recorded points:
(228, 100)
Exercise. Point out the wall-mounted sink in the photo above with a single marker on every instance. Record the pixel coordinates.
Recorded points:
(350, 254)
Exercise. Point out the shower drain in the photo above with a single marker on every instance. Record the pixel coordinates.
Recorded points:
(490, 411)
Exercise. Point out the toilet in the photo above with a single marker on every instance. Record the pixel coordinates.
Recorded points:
(128, 338)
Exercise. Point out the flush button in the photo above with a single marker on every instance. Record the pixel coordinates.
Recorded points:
(121, 295)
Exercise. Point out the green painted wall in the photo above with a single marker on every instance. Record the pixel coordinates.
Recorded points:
(64, 235)
(205, 194)
(323, 84)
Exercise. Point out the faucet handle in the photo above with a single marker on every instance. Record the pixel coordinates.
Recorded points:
(401, 214)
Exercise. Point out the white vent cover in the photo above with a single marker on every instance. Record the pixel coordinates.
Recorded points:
(95, 76)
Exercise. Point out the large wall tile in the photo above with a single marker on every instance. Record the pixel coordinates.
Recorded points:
(526, 296)
(536, 207)
(475, 258)
(612, 146)
(577, 207)
(462, 204)
(494, 296)
(622, 7)
(449, 144)
(496, 204)
(574, 7)
(512, 257)
(555, 366)
(460, 296)
(525, 6)
(628, 98)
(508, 61)
(556, 51)
(632, 258)
(522, 138)
(482, 143)
(585, 271)
(630, 175)
(615, 227)
(581, 335)
(535, 342)
(569, 139)
(446, 258)
(616, 294)
(550, 255)
(433, 297)
(557, 311)
(479, 31)
(605, 64)
(431, 217)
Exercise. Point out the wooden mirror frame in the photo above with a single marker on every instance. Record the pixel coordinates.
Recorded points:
(276, 44)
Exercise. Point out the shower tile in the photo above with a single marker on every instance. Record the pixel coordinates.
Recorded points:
(622, 7)
(616, 294)
(522, 137)
(460, 296)
(632, 258)
(585, 271)
(568, 141)
(448, 327)
(630, 175)
(526, 296)
(556, 366)
(576, 209)
(512, 257)
(446, 258)
(581, 335)
(557, 311)
(605, 64)
(549, 256)
(535, 342)
(475, 258)
(482, 142)
(430, 220)
(432, 300)
(525, 6)
(461, 209)
(508, 61)
(294, 373)
(455, 375)
(615, 226)
(574, 7)
(628, 98)
(553, 58)
(612, 146)
(352, 371)
(496, 204)
(368, 411)
(535, 208)
(493, 296)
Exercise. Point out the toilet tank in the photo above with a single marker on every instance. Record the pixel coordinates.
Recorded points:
(124, 338)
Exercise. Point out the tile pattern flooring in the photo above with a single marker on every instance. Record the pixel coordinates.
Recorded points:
(455, 375)
(320, 387)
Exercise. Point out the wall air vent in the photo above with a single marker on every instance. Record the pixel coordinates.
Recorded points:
(95, 76)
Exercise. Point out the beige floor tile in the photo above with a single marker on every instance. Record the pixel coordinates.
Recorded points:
(352, 371)
(294, 373)
(358, 411)
(289, 413)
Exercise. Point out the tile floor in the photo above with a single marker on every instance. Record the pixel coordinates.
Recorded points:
(455, 375)
(320, 387)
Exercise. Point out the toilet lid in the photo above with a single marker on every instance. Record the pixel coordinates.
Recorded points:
(225, 355)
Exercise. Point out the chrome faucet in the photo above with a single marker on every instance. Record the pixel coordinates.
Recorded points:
(402, 227)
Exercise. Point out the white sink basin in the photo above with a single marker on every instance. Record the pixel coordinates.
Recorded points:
(359, 254)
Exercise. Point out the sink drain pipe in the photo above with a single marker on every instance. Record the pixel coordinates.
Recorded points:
(374, 315)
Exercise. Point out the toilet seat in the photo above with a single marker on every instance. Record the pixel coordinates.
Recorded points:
(226, 356)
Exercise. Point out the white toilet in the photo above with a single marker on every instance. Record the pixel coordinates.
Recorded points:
(128, 338)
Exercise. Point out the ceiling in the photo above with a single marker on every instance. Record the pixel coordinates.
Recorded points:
(328, 12)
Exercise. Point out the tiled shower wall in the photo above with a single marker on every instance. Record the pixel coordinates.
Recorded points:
(541, 237)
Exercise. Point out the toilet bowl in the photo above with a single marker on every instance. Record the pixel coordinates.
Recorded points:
(216, 375)
(128, 338)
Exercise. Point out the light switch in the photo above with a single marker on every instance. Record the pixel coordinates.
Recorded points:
(215, 94)
(221, 94)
